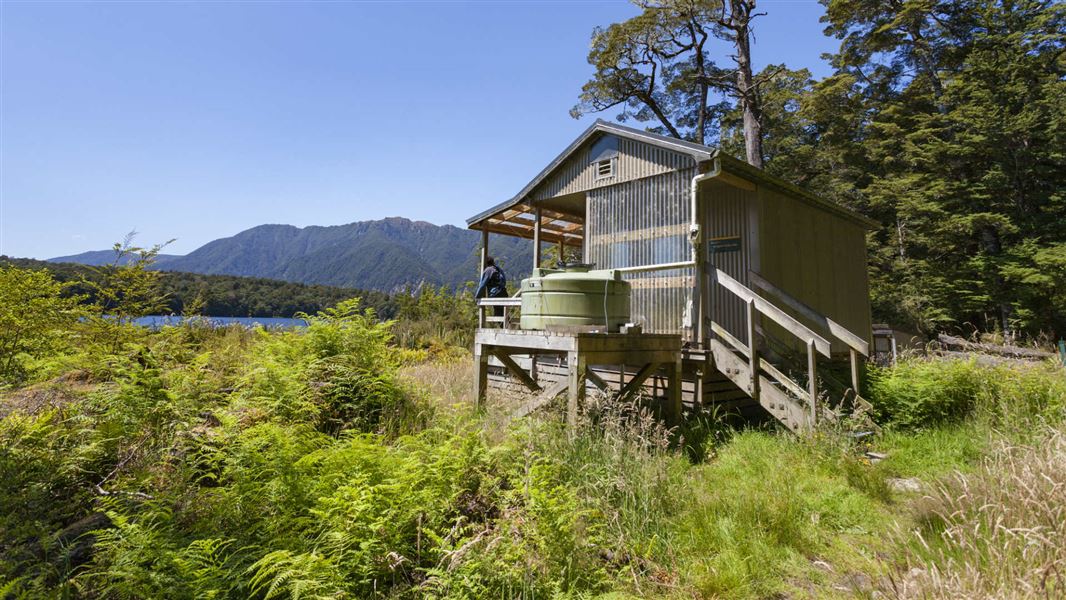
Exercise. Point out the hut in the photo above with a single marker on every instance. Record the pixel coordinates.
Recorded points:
(746, 289)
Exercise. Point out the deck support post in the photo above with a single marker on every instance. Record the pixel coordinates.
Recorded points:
(481, 375)
(673, 408)
(854, 370)
(577, 372)
(536, 237)
(753, 351)
(484, 263)
(812, 381)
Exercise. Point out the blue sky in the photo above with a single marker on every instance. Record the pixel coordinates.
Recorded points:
(198, 120)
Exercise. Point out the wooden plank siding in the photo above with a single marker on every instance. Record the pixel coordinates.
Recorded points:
(718, 391)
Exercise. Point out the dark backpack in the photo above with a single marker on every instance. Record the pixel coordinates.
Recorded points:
(497, 284)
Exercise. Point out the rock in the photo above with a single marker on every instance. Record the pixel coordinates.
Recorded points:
(876, 457)
(858, 583)
(905, 485)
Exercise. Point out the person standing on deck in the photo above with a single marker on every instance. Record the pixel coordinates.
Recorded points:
(493, 284)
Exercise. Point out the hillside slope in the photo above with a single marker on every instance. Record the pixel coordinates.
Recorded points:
(385, 255)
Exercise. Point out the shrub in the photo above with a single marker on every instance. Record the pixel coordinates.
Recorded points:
(34, 319)
(920, 392)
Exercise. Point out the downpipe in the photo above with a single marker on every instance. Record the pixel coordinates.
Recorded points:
(696, 242)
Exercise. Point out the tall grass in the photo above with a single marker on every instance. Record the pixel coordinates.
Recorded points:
(999, 532)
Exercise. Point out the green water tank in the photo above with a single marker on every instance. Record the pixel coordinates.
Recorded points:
(574, 296)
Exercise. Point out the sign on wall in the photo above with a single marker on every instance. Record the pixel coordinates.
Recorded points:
(723, 244)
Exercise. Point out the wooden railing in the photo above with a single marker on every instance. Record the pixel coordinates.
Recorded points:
(755, 304)
(856, 344)
(502, 321)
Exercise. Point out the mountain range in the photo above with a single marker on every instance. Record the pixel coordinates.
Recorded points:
(387, 255)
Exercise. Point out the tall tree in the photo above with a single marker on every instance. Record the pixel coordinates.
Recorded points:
(734, 25)
(657, 67)
(963, 139)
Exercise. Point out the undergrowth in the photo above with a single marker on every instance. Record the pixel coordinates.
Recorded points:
(224, 463)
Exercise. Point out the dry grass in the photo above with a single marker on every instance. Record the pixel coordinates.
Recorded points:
(999, 532)
(448, 383)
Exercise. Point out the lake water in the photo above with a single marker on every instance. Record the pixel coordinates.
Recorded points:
(155, 322)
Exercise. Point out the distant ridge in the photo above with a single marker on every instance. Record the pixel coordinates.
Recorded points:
(103, 257)
(386, 255)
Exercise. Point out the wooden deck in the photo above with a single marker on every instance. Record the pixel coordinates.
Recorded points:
(519, 351)
(726, 372)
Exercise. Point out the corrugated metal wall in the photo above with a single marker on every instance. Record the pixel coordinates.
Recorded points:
(635, 161)
(728, 213)
(645, 222)
(817, 257)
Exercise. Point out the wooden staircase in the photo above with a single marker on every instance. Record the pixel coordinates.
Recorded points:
(798, 401)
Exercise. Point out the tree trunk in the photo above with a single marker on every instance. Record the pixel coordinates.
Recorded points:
(740, 18)
(991, 244)
(701, 74)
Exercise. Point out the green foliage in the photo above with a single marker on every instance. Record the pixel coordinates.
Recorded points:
(123, 290)
(227, 463)
(221, 295)
(437, 320)
(959, 149)
(918, 393)
(943, 121)
(35, 319)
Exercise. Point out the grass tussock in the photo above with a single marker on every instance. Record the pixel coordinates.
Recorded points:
(998, 532)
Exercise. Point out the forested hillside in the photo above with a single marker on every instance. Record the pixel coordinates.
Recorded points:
(222, 295)
(943, 120)
(387, 255)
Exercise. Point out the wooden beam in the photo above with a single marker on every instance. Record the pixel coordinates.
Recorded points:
(506, 229)
(737, 182)
(598, 381)
(507, 215)
(561, 216)
(516, 370)
(544, 398)
(638, 380)
(545, 224)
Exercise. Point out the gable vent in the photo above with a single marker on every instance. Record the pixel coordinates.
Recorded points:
(604, 168)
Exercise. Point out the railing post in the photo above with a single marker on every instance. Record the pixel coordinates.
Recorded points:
(536, 237)
(812, 380)
(484, 263)
(753, 352)
(855, 371)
